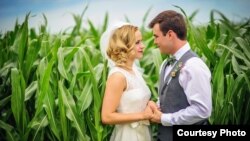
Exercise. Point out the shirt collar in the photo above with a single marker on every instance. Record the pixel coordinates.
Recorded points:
(182, 51)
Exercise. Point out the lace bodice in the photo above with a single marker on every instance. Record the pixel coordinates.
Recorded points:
(137, 93)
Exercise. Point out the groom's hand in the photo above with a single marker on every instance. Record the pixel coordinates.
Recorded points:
(156, 116)
(157, 113)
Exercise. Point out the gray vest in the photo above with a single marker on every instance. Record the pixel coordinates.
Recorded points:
(172, 96)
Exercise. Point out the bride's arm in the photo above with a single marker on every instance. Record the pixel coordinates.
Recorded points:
(115, 86)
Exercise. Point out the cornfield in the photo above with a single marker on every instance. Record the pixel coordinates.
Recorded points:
(52, 85)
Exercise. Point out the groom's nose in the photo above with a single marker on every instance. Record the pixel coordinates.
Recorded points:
(155, 41)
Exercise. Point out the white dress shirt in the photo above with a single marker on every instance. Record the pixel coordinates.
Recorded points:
(195, 80)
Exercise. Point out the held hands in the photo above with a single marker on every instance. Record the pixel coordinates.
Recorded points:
(148, 113)
(156, 116)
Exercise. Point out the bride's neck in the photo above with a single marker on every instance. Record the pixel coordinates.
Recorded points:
(128, 66)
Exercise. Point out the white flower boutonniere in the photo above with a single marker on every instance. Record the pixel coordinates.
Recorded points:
(176, 69)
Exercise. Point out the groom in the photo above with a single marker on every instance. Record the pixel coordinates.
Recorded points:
(185, 89)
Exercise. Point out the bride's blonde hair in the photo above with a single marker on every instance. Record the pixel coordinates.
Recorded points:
(121, 44)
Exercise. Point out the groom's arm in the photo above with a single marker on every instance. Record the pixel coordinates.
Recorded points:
(195, 79)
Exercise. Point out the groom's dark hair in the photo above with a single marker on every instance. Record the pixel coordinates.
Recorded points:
(171, 20)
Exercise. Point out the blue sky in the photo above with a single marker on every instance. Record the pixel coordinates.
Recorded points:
(59, 12)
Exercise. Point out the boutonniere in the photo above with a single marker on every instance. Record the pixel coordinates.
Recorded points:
(177, 67)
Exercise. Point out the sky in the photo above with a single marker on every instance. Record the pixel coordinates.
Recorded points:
(59, 12)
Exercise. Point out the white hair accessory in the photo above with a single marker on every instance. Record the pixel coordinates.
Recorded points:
(104, 41)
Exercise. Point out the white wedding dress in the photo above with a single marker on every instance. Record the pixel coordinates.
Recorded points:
(134, 99)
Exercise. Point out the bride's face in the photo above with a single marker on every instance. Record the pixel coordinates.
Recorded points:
(139, 46)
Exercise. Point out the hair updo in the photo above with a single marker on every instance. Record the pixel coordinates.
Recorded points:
(121, 44)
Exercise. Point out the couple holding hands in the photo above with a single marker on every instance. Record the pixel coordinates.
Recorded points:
(184, 87)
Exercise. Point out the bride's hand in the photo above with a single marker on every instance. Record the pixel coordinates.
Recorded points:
(147, 113)
(153, 105)
(156, 112)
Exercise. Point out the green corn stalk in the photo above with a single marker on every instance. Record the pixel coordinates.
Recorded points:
(52, 85)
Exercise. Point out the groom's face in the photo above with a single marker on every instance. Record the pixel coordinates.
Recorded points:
(163, 42)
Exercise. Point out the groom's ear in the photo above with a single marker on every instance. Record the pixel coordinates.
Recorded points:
(170, 34)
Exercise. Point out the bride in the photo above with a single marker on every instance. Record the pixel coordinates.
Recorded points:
(126, 95)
